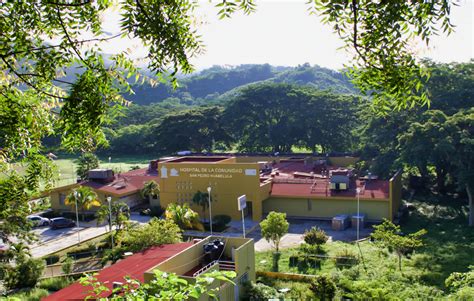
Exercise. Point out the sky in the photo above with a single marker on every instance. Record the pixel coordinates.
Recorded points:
(283, 33)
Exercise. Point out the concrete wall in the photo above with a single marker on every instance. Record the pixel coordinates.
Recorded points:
(326, 209)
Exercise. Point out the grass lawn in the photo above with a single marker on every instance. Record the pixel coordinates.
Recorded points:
(449, 246)
(67, 166)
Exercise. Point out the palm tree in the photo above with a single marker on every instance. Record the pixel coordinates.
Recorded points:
(84, 197)
(183, 216)
(120, 214)
(202, 199)
(150, 190)
(19, 251)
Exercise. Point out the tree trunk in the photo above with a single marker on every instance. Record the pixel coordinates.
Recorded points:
(400, 262)
(471, 206)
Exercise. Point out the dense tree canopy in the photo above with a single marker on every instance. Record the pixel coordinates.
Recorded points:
(276, 117)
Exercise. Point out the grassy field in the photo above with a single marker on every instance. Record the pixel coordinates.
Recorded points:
(448, 248)
(67, 166)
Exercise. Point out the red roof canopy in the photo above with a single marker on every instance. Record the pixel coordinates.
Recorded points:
(134, 266)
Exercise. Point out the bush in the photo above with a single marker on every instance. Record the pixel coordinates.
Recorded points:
(315, 236)
(113, 255)
(67, 265)
(310, 249)
(27, 273)
(32, 295)
(260, 291)
(54, 284)
(346, 257)
(323, 287)
(221, 220)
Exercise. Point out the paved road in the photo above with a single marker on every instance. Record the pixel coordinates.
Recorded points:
(51, 241)
(297, 228)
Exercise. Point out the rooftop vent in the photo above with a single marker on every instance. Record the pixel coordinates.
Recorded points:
(101, 175)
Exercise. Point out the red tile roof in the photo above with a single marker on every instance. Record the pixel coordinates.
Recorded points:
(125, 183)
(134, 266)
(374, 189)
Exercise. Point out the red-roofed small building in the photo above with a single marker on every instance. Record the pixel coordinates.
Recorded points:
(124, 187)
(188, 260)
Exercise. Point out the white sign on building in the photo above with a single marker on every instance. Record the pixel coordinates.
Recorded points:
(242, 202)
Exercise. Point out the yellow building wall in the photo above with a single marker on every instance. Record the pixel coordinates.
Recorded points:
(180, 181)
(395, 193)
(65, 190)
(326, 209)
(244, 258)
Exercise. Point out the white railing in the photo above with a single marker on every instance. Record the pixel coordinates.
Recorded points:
(205, 268)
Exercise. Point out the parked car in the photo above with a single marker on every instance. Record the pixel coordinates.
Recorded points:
(38, 221)
(61, 222)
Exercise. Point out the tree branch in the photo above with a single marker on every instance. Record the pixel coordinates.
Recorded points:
(73, 46)
(54, 79)
(60, 45)
(20, 76)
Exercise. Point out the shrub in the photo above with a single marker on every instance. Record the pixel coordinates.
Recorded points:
(346, 257)
(311, 249)
(67, 265)
(323, 287)
(32, 295)
(28, 272)
(315, 236)
(54, 284)
(112, 255)
(260, 291)
(156, 232)
(221, 220)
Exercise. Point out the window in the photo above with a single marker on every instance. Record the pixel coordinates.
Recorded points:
(62, 198)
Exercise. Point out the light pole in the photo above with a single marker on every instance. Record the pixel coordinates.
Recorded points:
(358, 213)
(109, 200)
(77, 217)
(210, 208)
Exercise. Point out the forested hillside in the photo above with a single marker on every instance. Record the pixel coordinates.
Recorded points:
(208, 85)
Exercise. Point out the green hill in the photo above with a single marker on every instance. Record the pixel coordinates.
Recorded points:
(209, 85)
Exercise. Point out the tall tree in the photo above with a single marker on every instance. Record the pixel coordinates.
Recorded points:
(196, 130)
(389, 235)
(86, 162)
(274, 226)
(463, 134)
(429, 143)
(119, 211)
(150, 190)
(202, 199)
(378, 33)
(84, 198)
